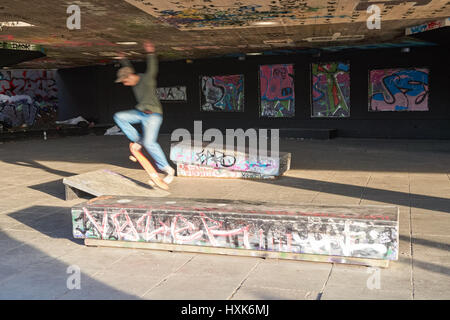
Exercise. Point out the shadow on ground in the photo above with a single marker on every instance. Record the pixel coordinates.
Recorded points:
(54, 222)
(53, 188)
(29, 273)
(372, 194)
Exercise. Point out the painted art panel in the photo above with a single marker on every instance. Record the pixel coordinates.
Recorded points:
(222, 93)
(330, 89)
(277, 94)
(28, 98)
(399, 89)
(176, 93)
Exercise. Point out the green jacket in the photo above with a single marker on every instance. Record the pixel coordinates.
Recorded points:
(145, 89)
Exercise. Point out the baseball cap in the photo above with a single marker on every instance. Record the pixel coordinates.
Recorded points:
(123, 73)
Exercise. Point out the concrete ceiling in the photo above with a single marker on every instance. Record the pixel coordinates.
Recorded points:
(12, 53)
(204, 28)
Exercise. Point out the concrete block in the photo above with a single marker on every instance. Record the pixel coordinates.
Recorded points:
(367, 232)
(192, 170)
(248, 161)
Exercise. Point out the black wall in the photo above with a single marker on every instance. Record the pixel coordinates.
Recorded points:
(91, 92)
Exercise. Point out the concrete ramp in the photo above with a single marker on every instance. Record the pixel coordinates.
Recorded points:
(106, 182)
(365, 235)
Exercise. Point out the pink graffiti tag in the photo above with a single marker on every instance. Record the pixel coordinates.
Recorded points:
(102, 229)
(188, 226)
(213, 231)
(120, 228)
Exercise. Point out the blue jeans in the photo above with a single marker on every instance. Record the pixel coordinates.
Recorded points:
(150, 125)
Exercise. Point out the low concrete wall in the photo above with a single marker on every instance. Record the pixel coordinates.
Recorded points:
(230, 160)
(346, 231)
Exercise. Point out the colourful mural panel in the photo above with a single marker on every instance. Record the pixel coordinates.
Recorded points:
(222, 93)
(330, 89)
(277, 94)
(399, 89)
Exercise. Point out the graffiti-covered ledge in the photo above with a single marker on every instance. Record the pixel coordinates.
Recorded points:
(366, 235)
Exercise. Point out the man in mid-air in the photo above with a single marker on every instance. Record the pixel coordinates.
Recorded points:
(148, 111)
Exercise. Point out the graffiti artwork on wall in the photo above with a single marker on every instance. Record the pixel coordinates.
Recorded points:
(400, 89)
(330, 89)
(277, 94)
(28, 97)
(427, 26)
(222, 93)
(177, 93)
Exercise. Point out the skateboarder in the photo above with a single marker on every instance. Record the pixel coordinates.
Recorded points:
(148, 111)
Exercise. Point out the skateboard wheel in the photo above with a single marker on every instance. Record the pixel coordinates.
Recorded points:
(132, 158)
(150, 182)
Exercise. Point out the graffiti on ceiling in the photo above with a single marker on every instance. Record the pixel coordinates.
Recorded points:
(207, 14)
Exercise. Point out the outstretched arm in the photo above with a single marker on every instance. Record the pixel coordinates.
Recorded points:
(152, 65)
(152, 60)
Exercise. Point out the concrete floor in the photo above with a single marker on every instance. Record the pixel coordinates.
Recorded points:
(37, 247)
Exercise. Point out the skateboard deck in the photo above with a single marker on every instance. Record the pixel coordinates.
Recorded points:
(155, 179)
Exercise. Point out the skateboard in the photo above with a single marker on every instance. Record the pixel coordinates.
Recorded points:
(155, 179)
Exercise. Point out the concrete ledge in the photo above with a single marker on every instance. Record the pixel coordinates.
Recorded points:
(192, 170)
(365, 232)
(220, 158)
(236, 252)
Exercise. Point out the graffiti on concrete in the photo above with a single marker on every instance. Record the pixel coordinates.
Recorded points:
(190, 170)
(28, 97)
(217, 14)
(309, 232)
(235, 161)
(428, 26)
